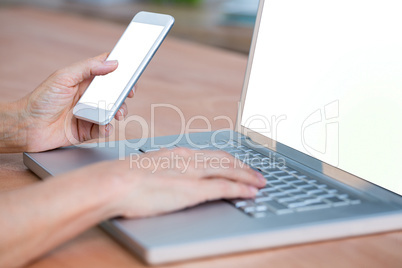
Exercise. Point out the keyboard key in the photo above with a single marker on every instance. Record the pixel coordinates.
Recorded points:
(279, 174)
(285, 177)
(231, 150)
(354, 201)
(300, 184)
(277, 183)
(336, 201)
(342, 196)
(287, 188)
(277, 207)
(269, 189)
(315, 192)
(324, 195)
(299, 175)
(263, 199)
(261, 207)
(291, 179)
(265, 193)
(248, 209)
(276, 194)
(257, 163)
(242, 202)
(295, 205)
(259, 214)
(289, 170)
(331, 191)
(272, 179)
(322, 186)
(319, 205)
(271, 169)
(300, 202)
(309, 188)
(312, 201)
(310, 180)
(259, 194)
(286, 199)
(299, 194)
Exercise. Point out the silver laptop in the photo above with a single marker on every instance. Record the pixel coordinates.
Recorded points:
(320, 117)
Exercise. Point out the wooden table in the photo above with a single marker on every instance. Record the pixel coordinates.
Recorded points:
(200, 81)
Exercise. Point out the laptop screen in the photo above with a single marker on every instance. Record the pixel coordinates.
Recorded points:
(326, 80)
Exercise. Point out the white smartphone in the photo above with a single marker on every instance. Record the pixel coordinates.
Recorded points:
(136, 47)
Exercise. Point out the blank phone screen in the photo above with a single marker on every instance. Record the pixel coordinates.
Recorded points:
(130, 51)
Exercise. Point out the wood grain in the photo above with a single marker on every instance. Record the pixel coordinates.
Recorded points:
(199, 81)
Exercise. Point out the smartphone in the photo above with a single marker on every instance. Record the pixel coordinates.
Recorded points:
(134, 50)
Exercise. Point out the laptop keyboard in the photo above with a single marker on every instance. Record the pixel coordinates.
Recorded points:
(287, 190)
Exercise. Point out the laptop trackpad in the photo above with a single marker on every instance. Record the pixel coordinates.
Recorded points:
(207, 221)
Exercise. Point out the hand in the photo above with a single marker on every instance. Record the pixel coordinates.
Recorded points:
(168, 180)
(148, 185)
(48, 109)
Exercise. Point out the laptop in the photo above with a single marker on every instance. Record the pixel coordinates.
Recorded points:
(320, 117)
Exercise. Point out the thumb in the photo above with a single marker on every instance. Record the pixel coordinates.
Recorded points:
(87, 69)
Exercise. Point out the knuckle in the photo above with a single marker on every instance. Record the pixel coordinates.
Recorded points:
(225, 187)
(225, 157)
(58, 73)
(244, 190)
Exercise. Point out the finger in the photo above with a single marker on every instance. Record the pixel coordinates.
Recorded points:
(131, 94)
(122, 112)
(222, 164)
(209, 164)
(218, 188)
(87, 69)
(98, 131)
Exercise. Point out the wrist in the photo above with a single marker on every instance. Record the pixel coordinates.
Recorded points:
(106, 185)
(119, 188)
(13, 122)
(121, 185)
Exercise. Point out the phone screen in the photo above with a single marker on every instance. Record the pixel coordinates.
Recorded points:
(130, 51)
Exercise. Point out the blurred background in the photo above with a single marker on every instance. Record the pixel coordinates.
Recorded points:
(226, 24)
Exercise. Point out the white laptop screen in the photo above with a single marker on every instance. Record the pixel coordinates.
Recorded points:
(326, 80)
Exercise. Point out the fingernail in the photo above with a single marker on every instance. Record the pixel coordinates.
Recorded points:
(107, 127)
(253, 190)
(110, 62)
(261, 178)
(121, 112)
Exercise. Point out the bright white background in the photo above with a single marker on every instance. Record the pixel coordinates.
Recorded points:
(333, 69)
